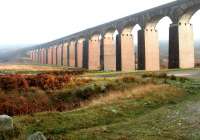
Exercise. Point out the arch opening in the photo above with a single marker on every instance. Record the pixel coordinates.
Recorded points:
(196, 22)
(162, 27)
(134, 32)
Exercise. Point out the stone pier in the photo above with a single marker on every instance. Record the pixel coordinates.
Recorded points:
(59, 54)
(54, 55)
(33, 56)
(64, 59)
(41, 56)
(49, 56)
(72, 54)
(148, 50)
(94, 53)
(37, 56)
(80, 53)
(181, 46)
(109, 53)
(125, 52)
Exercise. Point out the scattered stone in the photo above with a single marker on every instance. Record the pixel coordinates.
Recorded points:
(6, 123)
(37, 136)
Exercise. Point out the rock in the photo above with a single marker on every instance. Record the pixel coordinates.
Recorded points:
(6, 123)
(37, 136)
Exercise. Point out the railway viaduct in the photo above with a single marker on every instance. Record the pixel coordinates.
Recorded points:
(97, 49)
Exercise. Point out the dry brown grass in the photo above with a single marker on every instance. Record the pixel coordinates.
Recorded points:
(160, 91)
(27, 67)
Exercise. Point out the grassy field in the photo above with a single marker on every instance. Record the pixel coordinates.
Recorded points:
(121, 106)
(158, 110)
(26, 69)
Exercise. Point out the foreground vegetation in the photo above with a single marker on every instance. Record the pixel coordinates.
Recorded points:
(149, 106)
(70, 105)
(26, 69)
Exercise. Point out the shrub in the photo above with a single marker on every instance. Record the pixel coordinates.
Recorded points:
(128, 79)
(154, 75)
(172, 77)
(13, 82)
(15, 104)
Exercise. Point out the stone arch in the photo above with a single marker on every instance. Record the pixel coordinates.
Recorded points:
(153, 22)
(148, 50)
(127, 28)
(95, 35)
(109, 32)
(186, 17)
(186, 13)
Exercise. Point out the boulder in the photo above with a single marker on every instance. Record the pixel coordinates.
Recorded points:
(6, 123)
(37, 136)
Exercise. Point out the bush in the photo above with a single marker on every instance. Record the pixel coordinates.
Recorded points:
(172, 77)
(154, 75)
(47, 81)
(15, 104)
(128, 79)
(23, 82)
(13, 82)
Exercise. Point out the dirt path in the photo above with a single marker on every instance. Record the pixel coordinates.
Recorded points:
(195, 74)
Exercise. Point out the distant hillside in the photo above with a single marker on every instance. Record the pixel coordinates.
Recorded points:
(10, 53)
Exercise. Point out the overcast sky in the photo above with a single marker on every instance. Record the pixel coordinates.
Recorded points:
(38, 21)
